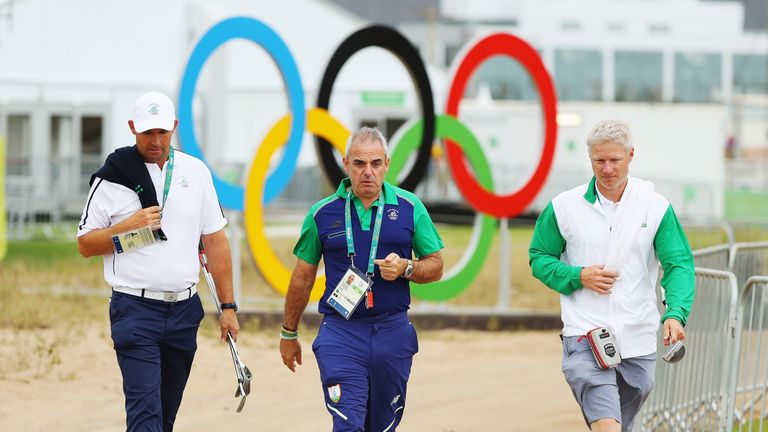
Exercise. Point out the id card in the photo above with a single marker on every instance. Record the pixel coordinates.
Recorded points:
(349, 292)
(135, 239)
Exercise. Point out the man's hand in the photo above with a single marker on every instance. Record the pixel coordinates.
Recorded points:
(673, 331)
(229, 324)
(149, 216)
(391, 267)
(597, 279)
(290, 351)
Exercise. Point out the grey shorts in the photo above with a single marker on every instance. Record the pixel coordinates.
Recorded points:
(616, 393)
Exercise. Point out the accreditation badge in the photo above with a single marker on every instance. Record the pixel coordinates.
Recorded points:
(349, 292)
(136, 239)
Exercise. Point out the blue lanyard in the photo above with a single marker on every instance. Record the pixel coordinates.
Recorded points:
(376, 231)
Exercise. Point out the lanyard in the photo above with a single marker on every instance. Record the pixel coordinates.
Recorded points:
(376, 231)
(168, 176)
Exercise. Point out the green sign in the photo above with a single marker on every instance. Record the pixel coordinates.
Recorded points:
(383, 98)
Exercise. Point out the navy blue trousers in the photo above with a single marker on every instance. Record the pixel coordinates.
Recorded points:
(364, 369)
(155, 344)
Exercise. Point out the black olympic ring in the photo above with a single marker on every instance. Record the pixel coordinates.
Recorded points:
(394, 42)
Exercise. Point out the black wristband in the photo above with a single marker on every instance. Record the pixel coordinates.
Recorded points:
(290, 329)
(229, 306)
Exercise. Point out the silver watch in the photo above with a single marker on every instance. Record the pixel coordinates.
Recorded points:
(408, 270)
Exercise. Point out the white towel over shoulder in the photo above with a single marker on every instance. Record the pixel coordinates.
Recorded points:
(631, 213)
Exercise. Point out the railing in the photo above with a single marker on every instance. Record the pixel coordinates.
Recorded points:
(691, 395)
(715, 257)
(749, 380)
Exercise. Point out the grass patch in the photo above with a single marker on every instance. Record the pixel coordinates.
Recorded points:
(43, 282)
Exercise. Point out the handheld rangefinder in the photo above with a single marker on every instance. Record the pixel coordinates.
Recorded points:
(604, 347)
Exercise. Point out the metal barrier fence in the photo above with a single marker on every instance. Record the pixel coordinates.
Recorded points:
(715, 257)
(691, 395)
(748, 259)
(749, 381)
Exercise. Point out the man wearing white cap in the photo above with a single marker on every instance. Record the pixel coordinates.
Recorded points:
(146, 212)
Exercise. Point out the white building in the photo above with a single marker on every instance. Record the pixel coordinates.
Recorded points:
(683, 73)
(70, 71)
(676, 70)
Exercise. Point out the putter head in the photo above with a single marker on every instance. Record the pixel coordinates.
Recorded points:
(247, 382)
(244, 384)
(675, 353)
(239, 392)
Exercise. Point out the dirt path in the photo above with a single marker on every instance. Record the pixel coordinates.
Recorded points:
(461, 381)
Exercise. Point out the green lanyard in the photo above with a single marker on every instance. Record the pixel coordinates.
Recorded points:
(376, 231)
(168, 176)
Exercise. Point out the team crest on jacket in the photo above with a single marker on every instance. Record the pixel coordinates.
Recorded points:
(334, 392)
(392, 214)
(184, 182)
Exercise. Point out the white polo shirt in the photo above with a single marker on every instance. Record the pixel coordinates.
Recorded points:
(191, 210)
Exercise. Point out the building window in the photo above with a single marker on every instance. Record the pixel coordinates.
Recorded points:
(506, 79)
(697, 77)
(63, 161)
(91, 135)
(658, 27)
(391, 125)
(750, 74)
(91, 141)
(615, 27)
(570, 26)
(451, 50)
(371, 123)
(638, 76)
(19, 144)
(579, 75)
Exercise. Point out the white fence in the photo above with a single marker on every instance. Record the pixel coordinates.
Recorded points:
(690, 395)
(722, 382)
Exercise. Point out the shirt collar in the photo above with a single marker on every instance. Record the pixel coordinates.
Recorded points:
(591, 194)
(390, 196)
(603, 200)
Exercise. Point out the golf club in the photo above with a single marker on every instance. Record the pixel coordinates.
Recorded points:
(241, 370)
(675, 353)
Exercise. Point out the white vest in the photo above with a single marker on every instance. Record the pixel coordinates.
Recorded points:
(631, 309)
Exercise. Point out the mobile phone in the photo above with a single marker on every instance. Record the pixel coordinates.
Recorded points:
(675, 353)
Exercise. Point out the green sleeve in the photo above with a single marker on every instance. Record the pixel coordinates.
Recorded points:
(674, 254)
(544, 253)
(426, 240)
(308, 247)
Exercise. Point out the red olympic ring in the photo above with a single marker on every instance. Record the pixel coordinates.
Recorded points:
(481, 199)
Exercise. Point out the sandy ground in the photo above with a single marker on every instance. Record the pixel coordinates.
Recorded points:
(461, 381)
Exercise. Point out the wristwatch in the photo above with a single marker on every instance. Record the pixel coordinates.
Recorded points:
(229, 306)
(408, 270)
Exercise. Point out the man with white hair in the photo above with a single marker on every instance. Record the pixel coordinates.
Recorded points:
(367, 234)
(600, 245)
(148, 208)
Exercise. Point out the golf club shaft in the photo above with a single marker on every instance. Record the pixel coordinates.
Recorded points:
(212, 286)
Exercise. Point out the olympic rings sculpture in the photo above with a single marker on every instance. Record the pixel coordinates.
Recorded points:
(414, 136)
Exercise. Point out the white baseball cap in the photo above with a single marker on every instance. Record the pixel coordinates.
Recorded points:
(153, 110)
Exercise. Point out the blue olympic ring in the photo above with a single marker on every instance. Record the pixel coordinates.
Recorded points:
(231, 195)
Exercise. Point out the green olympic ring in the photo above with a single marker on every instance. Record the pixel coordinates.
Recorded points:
(460, 277)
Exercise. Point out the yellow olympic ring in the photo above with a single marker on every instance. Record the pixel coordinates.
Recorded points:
(320, 123)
